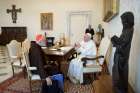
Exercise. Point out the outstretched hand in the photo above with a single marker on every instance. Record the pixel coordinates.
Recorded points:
(77, 45)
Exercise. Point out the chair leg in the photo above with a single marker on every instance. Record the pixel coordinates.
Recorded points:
(93, 87)
(20, 61)
(13, 70)
(40, 87)
(30, 86)
(105, 69)
(96, 75)
(24, 71)
(35, 86)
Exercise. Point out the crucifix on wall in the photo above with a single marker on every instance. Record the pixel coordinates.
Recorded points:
(14, 12)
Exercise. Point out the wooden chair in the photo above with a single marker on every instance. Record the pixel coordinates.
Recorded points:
(98, 65)
(15, 54)
(34, 79)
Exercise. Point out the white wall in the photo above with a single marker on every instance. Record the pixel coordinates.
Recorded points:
(31, 10)
(115, 27)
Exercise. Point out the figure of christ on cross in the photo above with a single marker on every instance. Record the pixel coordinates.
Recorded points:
(14, 12)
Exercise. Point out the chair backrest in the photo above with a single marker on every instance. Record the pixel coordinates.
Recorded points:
(97, 38)
(26, 45)
(26, 58)
(27, 63)
(30, 76)
(104, 46)
(14, 48)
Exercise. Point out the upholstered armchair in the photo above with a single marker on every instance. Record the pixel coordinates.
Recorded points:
(15, 54)
(99, 60)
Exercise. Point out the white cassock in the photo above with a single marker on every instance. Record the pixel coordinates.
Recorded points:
(75, 71)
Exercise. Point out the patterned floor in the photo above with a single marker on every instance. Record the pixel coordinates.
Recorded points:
(77, 88)
(18, 84)
(21, 85)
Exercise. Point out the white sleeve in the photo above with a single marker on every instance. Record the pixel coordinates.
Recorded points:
(79, 50)
(89, 50)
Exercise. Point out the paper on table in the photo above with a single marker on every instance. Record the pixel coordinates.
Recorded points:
(53, 49)
(43, 47)
(66, 48)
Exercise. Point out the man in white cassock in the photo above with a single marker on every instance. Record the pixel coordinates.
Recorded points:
(86, 48)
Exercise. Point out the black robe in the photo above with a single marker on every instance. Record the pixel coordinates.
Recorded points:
(54, 88)
(121, 56)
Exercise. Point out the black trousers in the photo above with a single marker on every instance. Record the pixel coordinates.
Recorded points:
(51, 89)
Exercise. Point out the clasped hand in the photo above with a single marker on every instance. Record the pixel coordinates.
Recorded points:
(49, 81)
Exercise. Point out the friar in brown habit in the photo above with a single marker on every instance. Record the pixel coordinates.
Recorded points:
(37, 59)
(121, 57)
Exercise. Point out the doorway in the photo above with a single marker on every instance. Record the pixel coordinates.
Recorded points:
(77, 23)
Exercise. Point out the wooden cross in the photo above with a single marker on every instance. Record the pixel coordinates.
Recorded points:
(14, 12)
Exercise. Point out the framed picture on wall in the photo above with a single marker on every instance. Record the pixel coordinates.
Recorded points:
(111, 9)
(46, 21)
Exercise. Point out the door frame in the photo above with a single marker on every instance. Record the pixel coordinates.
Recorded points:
(88, 15)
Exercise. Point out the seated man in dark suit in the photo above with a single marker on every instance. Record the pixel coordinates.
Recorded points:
(45, 70)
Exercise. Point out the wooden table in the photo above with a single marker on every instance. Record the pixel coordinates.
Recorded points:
(60, 55)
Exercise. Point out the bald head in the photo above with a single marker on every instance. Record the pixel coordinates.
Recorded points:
(87, 37)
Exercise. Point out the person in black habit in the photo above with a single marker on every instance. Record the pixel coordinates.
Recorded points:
(90, 30)
(121, 56)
